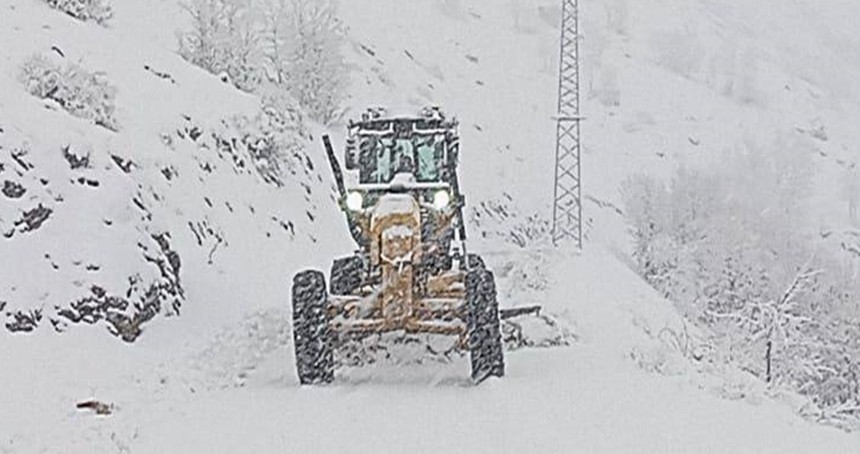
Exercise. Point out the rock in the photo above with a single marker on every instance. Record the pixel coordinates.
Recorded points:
(24, 322)
(33, 219)
(100, 408)
(13, 190)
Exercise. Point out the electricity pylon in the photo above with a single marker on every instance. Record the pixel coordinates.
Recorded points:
(567, 201)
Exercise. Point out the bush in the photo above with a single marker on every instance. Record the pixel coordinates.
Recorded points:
(503, 219)
(733, 248)
(272, 138)
(82, 93)
(98, 11)
(261, 45)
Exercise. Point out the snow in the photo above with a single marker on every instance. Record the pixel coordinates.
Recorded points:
(400, 231)
(665, 83)
(394, 204)
(240, 394)
(403, 179)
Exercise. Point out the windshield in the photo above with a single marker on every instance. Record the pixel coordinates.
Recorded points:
(381, 158)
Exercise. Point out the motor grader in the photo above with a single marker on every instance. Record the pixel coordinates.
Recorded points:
(411, 272)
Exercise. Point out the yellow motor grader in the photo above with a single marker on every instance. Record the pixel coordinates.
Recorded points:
(411, 272)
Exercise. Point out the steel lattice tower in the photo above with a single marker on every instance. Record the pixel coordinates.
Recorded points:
(567, 205)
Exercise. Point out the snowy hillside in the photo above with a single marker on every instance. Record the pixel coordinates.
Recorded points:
(664, 83)
(178, 228)
(176, 198)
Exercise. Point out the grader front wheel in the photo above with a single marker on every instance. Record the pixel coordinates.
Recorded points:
(346, 275)
(311, 333)
(485, 337)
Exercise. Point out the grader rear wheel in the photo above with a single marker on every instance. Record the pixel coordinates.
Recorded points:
(485, 337)
(311, 332)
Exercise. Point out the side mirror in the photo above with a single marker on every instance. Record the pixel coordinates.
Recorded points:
(351, 156)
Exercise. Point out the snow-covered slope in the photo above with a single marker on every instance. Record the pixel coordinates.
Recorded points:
(664, 81)
(178, 181)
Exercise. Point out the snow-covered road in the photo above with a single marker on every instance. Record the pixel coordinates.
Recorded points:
(615, 389)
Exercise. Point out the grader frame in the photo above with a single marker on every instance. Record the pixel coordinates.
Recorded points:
(405, 214)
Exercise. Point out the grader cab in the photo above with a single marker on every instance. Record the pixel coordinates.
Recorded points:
(411, 272)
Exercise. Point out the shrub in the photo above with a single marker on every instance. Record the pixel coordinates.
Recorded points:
(98, 11)
(502, 218)
(272, 138)
(80, 92)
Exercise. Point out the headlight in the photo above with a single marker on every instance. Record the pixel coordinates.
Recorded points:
(354, 201)
(441, 199)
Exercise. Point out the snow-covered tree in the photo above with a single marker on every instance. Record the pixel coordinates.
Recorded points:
(646, 204)
(267, 45)
(302, 51)
(777, 322)
(733, 248)
(223, 40)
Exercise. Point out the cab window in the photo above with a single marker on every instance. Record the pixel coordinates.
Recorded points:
(381, 158)
(375, 160)
(428, 156)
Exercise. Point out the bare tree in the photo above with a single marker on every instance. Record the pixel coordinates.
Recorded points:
(269, 45)
(774, 321)
(302, 42)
